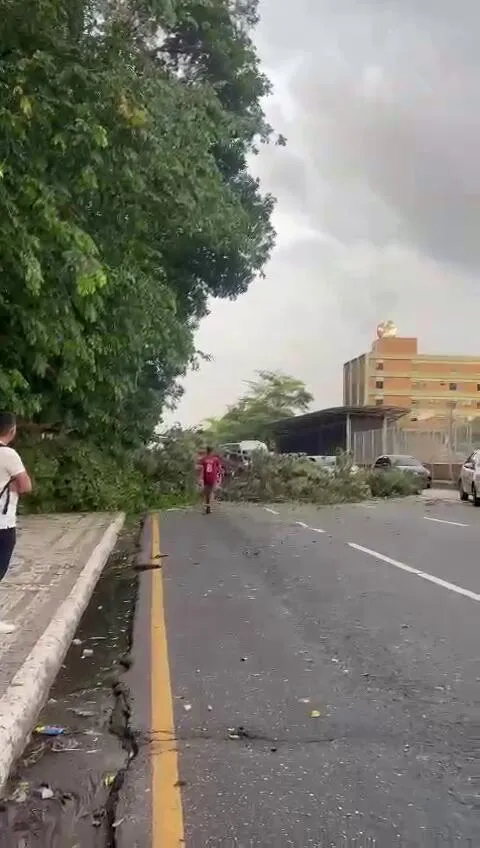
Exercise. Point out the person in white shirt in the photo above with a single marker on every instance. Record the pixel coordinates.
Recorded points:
(14, 481)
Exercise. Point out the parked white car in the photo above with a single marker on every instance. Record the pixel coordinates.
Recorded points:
(330, 463)
(245, 448)
(469, 480)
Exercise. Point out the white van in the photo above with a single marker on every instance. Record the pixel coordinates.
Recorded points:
(243, 449)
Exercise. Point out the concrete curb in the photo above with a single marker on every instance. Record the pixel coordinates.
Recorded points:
(24, 698)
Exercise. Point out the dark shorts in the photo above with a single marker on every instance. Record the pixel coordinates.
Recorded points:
(7, 544)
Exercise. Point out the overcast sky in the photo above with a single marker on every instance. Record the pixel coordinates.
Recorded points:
(378, 191)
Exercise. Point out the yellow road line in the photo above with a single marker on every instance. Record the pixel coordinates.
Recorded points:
(167, 813)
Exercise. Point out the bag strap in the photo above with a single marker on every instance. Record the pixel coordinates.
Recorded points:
(6, 489)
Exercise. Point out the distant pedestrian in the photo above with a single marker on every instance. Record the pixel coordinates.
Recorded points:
(211, 469)
(14, 481)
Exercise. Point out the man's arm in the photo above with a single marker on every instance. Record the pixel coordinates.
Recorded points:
(20, 480)
(22, 483)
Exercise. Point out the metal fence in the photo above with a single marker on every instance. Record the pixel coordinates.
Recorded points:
(451, 444)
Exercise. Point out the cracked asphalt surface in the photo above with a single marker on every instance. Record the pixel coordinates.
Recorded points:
(322, 696)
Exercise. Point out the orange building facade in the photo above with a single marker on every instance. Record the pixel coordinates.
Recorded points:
(429, 387)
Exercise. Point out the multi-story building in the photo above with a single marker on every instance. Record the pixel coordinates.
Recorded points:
(430, 387)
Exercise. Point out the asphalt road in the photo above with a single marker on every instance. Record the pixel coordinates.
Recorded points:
(324, 675)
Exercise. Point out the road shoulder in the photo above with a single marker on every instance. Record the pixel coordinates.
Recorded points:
(56, 567)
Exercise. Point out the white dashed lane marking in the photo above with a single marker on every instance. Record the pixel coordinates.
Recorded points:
(459, 590)
(444, 521)
(452, 587)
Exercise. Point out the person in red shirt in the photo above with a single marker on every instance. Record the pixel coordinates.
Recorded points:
(211, 470)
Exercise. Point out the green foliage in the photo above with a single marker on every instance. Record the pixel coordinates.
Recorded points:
(281, 478)
(172, 462)
(276, 477)
(73, 475)
(271, 397)
(394, 483)
(125, 201)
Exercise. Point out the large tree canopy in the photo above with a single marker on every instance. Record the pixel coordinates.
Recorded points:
(125, 198)
(270, 397)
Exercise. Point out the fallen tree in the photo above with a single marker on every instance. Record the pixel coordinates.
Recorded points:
(274, 478)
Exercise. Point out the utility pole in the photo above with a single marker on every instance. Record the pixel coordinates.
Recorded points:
(451, 405)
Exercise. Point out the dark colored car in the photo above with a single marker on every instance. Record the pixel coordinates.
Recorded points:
(404, 463)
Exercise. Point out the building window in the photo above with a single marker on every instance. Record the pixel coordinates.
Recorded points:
(414, 401)
(379, 384)
(478, 387)
(380, 367)
(379, 402)
(452, 387)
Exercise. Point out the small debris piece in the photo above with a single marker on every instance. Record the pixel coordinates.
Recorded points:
(49, 730)
(209, 708)
(304, 700)
(315, 714)
(118, 823)
(187, 707)
(243, 659)
(81, 713)
(87, 652)
(65, 745)
(77, 642)
(20, 795)
(45, 792)
(239, 733)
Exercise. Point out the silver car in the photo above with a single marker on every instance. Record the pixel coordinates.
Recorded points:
(387, 462)
(469, 480)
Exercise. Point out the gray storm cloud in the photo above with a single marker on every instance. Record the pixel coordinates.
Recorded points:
(388, 119)
(378, 194)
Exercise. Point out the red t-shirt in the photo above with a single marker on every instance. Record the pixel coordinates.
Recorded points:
(211, 469)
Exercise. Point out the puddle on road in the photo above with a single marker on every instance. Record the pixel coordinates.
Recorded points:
(79, 771)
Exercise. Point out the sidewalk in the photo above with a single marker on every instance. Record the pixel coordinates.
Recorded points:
(446, 494)
(57, 563)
